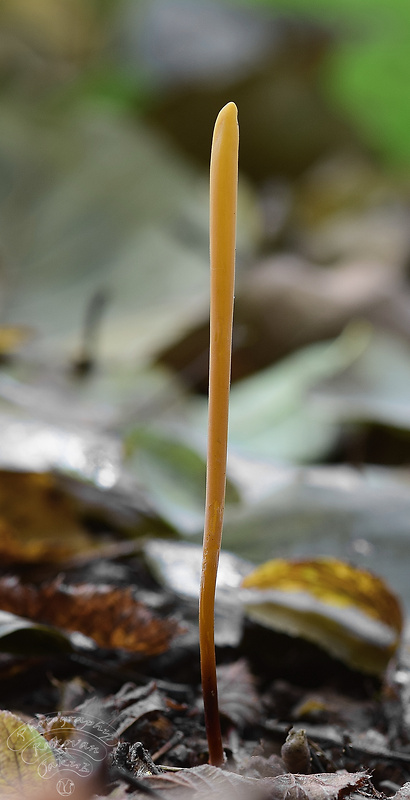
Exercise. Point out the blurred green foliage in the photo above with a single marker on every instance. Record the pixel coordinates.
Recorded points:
(369, 69)
(366, 73)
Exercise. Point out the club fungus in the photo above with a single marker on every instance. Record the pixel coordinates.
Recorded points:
(223, 198)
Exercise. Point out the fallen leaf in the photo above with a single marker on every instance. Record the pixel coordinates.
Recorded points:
(346, 610)
(25, 758)
(38, 767)
(134, 704)
(333, 581)
(24, 637)
(238, 699)
(134, 209)
(211, 782)
(403, 793)
(325, 786)
(32, 445)
(173, 475)
(376, 388)
(333, 510)
(271, 412)
(177, 566)
(287, 287)
(38, 521)
(109, 616)
(206, 782)
(262, 767)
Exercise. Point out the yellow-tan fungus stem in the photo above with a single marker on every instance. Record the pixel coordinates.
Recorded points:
(223, 201)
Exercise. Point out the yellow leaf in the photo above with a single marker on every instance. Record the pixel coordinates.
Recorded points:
(25, 756)
(346, 610)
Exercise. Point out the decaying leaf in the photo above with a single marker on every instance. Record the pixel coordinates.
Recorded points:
(38, 521)
(110, 616)
(348, 611)
(25, 758)
(259, 766)
(239, 700)
(325, 786)
(201, 783)
(131, 703)
(22, 637)
(403, 793)
(211, 782)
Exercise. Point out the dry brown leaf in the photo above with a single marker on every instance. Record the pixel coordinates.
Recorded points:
(130, 704)
(262, 767)
(110, 616)
(325, 786)
(210, 782)
(238, 699)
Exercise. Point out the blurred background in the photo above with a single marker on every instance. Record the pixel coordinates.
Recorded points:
(106, 116)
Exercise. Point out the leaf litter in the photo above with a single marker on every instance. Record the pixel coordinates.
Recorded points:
(346, 227)
(166, 717)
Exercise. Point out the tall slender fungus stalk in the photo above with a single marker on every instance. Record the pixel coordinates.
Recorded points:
(223, 193)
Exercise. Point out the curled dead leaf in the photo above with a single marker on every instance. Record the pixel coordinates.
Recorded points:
(110, 616)
(346, 610)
